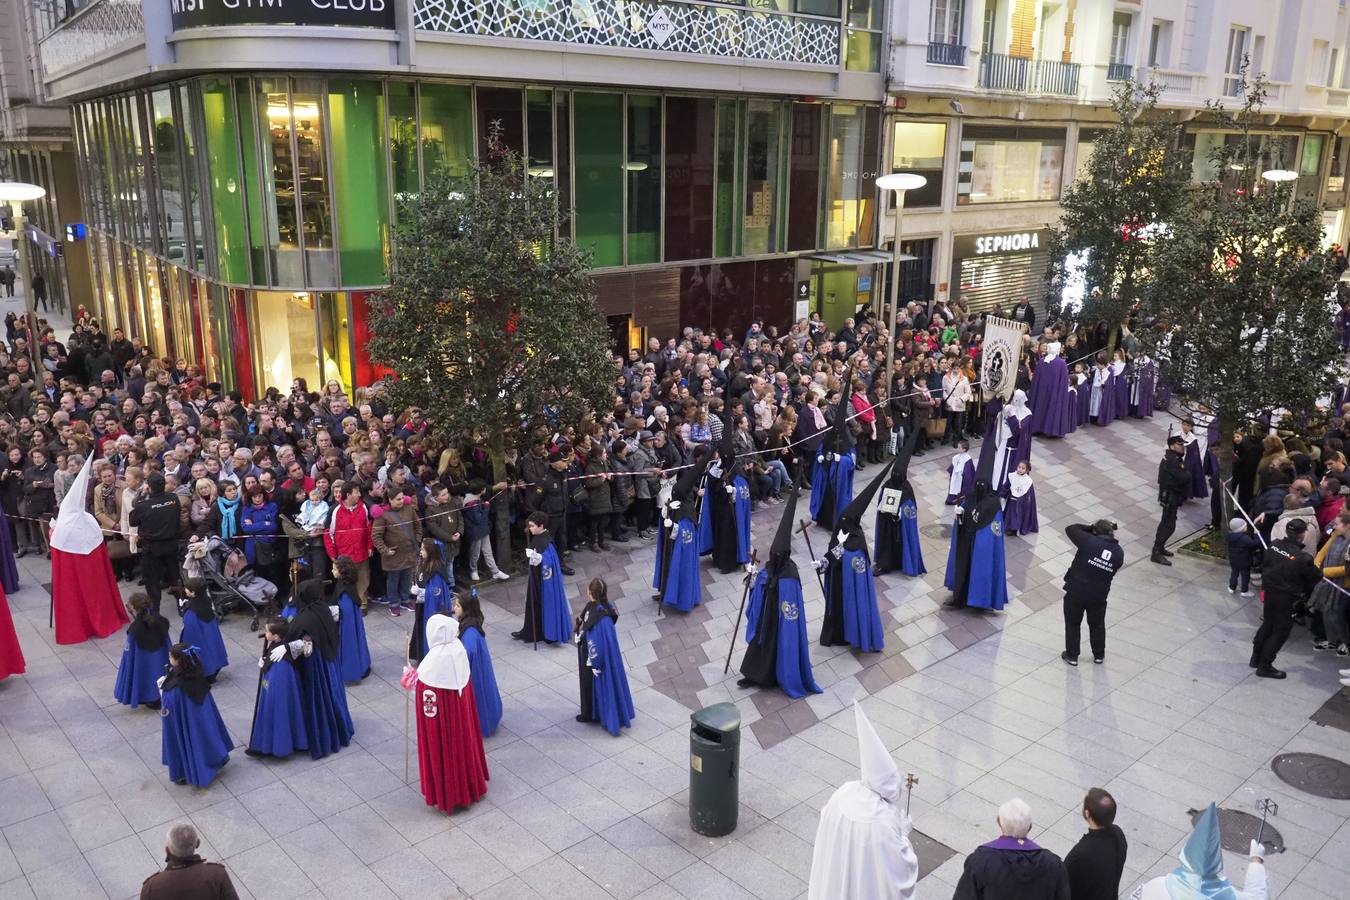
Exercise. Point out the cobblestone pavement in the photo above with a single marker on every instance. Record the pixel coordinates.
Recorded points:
(978, 707)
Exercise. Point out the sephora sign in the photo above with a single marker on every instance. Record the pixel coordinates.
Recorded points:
(209, 13)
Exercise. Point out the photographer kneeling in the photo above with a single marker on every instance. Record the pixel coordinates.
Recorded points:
(1086, 585)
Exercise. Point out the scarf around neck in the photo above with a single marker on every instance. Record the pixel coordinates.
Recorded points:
(229, 525)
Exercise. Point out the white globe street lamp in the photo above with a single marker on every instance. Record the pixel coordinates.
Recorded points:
(16, 194)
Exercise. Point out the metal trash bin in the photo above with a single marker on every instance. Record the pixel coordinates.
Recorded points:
(714, 769)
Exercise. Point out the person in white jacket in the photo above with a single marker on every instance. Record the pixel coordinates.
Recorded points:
(862, 847)
(1200, 875)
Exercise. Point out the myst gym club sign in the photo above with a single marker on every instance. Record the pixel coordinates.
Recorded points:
(208, 13)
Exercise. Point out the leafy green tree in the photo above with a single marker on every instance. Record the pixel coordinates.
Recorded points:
(1134, 178)
(1240, 288)
(490, 324)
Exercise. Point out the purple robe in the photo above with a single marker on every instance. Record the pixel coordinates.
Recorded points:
(967, 481)
(1141, 399)
(1051, 414)
(1084, 400)
(1195, 470)
(1019, 513)
(1121, 382)
(1103, 397)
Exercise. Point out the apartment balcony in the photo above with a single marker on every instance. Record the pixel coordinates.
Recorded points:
(1119, 71)
(946, 54)
(1000, 72)
(95, 29)
(644, 26)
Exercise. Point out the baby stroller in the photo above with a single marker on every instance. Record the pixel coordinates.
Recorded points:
(229, 583)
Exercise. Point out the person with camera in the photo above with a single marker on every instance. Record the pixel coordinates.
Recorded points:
(1086, 584)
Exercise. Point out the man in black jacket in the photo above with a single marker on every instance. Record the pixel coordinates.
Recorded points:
(1172, 482)
(157, 518)
(1086, 585)
(1096, 862)
(1289, 575)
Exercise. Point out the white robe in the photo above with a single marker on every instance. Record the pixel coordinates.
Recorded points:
(958, 468)
(1100, 378)
(862, 849)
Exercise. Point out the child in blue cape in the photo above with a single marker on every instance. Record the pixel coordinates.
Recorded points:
(201, 629)
(353, 650)
(605, 697)
(488, 699)
(194, 741)
(278, 718)
(144, 655)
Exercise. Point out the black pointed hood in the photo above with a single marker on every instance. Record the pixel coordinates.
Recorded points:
(780, 551)
(840, 439)
(984, 475)
(686, 487)
(900, 465)
(726, 449)
(852, 515)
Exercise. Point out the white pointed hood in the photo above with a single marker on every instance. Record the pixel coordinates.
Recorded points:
(75, 529)
(446, 664)
(879, 773)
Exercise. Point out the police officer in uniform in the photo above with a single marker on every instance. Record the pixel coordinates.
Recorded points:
(1086, 585)
(548, 495)
(158, 518)
(1172, 482)
(1288, 575)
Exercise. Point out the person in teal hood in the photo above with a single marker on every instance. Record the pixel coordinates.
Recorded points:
(1200, 875)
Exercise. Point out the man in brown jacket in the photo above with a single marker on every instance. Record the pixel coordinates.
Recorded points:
(397, 535)
(187, 876)
(445, 524)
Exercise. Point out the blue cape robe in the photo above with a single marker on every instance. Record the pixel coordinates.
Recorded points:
(9, 567)
(988, 580)
(205, 636)
(278, 717)
(684, 583)
(831, 488)
(436, 598)
(194, 742)
(897, 541)
(138, 672)
(611, 701)
(556, 613)
(353, 650)
(780, 631)
(323, 697)
(851, 613)
(485, 694)
(708, 512)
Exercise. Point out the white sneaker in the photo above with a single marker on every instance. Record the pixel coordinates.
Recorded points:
(1248, 594)
(1232, 590)
(473, 576)
(499, 575)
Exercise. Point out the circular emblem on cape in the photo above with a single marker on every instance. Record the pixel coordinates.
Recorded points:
(546, 572)
(742, 492)
(428, 704)
(790, 611)
(686, 537)
(909, 511)
(859, 564)
(996, 527)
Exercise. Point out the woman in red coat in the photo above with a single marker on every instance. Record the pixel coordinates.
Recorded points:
(11, 656)
(450, 757)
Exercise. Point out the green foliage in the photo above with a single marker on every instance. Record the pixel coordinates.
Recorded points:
(490, 325)
(1136, 176)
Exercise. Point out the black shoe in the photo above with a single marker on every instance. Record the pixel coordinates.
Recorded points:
(1099, 659)
(516, 635)
(1071, 660)
(1269, 672)
(566, 569)
(22, 552)
(619, 539)
(604, 546)
(1253, 662)
(580, 718)
(1160, 559)
(744, 682)
(953, 604)
(1166, 552)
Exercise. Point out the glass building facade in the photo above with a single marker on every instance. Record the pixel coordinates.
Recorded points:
(242, 221)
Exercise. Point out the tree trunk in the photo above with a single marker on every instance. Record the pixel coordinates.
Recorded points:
(501, 507)
(1224, 452)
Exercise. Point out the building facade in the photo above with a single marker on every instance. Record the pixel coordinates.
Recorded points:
(998, 102)
(244, 168)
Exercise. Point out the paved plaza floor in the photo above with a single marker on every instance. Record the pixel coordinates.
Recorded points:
(978, 706)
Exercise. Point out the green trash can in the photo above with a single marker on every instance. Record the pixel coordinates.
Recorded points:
(714, 769)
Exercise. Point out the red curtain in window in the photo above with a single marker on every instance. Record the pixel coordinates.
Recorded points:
(367, 372)
(242, 344)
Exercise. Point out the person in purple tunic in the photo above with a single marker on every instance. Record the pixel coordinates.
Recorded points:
(1195, 461)
(1008, 440)
(1082, 387)
(1019, 512)
(1141, 390)
(960, 474)
(1052, 414)
(1120, 381)
(1102, 406)
(1013, 859)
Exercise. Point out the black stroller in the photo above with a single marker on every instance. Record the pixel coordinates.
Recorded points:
(229, 583)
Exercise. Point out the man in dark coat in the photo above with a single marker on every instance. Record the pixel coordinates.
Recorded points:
(187, 876)
(1246, 459)
(1096, 862)
(1172, 484)
(1013, 867)
(1288, 576)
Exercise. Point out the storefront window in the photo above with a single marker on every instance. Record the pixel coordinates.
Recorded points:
(335, 340)
(1087, 144)
(691, 133)
(599, 175)
(540, 120)
(447, 129)
(643, 168)
(257, 185)
(804, 198)
(843, 188)
(192, 188)
(1310, 167)
(563, 167)
(1008, 165)
(356, 122)
(501, 108)
(278, 162)
(311, 178)
(170, 169)
(241, 343)
(728, 198)
(403, 143)
(283, 335)
(366, 372)
(763, 149)
(138, 192)
(919, 147)
(1334, 198)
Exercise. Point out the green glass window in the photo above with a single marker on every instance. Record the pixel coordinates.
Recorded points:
(643, 169)
(762, 170)
(311, 180)
(599, 175)
(224, 181)
(356, 122)
(447, 129)
(563, 164)
(278, 180)
(862, 50)
(255, 187)
(403, 142)
(728, 212)
(192, 188)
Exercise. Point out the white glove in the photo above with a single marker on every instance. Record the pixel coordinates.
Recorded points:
(674, 504)
(159, 683)
(278, 653)
(1258, 851)
(751, 569)
(535, 557)
(731, 489)
(821, 565)
(669, 524)
(337, 613)
(418, 591)
(260, 662)
(820, 458)
(595, 671)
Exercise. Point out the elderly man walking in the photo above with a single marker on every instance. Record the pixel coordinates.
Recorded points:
(187, 876)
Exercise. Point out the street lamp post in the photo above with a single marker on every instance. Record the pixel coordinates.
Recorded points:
(16, 194)
(898, 182)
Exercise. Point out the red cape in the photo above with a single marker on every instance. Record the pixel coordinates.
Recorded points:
(84, 591)
(11, 655)
(450, 757)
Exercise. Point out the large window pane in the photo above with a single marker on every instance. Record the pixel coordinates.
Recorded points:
(356, 122)
(447, 129)
(540, 118)
(501, 108)
(691, 132)
(919, 147)
(170, 168)
(1010, 164)
(335, 340)
(403, 143)
(804, 184)
(1310, 167)
(644, 179)
(311, 176)
(728, 213)
(283, 336)
(278, 161)
(192, 188)
(599, 175)
(226, 182)
(563, 119)
(763, 147)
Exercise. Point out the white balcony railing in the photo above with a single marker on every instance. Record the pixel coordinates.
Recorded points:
(91, 31)
(1176, 82)
(706, 29)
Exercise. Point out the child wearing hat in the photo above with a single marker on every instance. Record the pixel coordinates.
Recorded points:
(1242, 549)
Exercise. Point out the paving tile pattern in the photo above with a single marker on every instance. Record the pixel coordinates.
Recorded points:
(978, 707)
